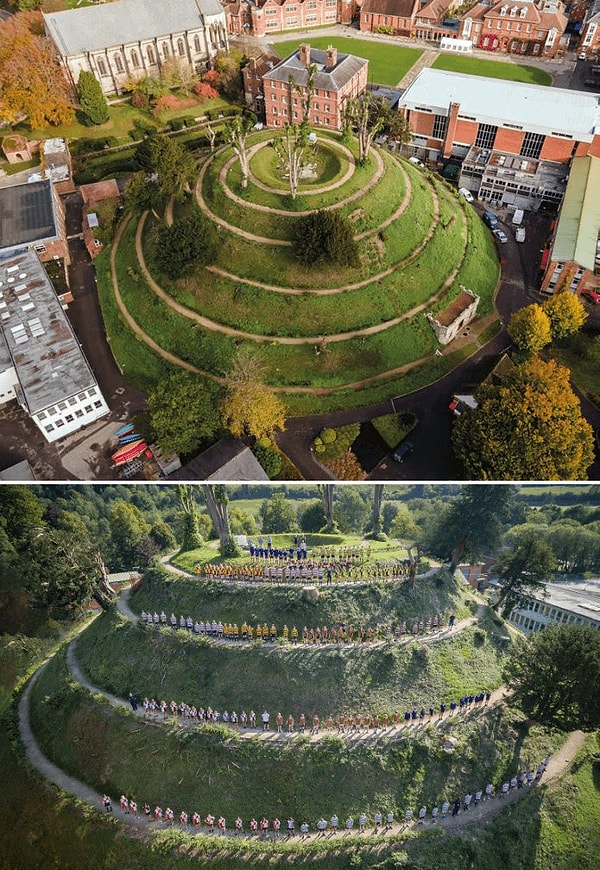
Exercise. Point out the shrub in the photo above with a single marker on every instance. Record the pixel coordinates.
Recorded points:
(335, 442)
(205, 90)
(189, 241)
(139, 100)
(91, 99)
(325, 236)
(268, 456)
(328, 436)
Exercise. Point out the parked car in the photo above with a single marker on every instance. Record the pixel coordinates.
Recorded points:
(490, 219)
(416, 161)
(403, 450)
(466, 194)
(591, 296)
(582, 56)
(592, 83)
(500, 235)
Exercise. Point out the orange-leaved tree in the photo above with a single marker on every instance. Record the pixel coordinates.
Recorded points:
(32, 82)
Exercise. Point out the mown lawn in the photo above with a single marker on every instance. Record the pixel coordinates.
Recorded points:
(388, 62)
(495, 69)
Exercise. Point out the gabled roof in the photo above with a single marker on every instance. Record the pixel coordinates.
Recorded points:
(334, 79)
(96, 27)
(576, 237)
(228, 459)
(397, 8)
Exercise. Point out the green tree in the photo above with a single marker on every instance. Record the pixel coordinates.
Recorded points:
(312, 517)
(127, 527)
(184, 413)
(168, 166)
(566, 314)
(191, 538)
(554, 676)
(351, 511)
(21, 513)
(278, 514)
(250, 408)
(162, 535)
(191, 241)
(403, 524)
(523, 571)
(325, 236)
(376, 506)
(91, 98)
(66, 571)
(470, 525)
(141, 195)
(529, 427)
(529, 328)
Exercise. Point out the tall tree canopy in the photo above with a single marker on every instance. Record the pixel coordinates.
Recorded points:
(189, 242)
(250, 408)
(32, 83)
(566, 314)
(183, 412)
(523, 571)
(529, 427)
(278, 514)
(91, 98)
(470, 525)
(554, 676)
(128, 528)
(169, 167)
(529, 328)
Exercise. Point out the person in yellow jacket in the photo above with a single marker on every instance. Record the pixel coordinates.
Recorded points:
(273, 632)
(285, 632)
(294, 635)
(258, 632)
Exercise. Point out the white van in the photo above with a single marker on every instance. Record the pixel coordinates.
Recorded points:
(517, 218)
(520, 234)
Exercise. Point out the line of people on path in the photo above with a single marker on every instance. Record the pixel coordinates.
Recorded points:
(342, 724)
(378, 823)
(319, 636)
(322, 572)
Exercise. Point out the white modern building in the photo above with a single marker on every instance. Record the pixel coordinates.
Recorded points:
(42, 364)
(570, 603)
(130, 39)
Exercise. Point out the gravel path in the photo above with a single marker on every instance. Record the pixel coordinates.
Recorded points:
(53, 774)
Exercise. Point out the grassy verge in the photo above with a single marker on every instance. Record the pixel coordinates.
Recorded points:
(580, 353)
(494, 69)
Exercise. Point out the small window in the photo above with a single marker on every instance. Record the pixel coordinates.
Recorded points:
(197, 46)
(135, 61)
(101, 66)
(97, 404)
(118, 62)
(60, 423)
(41, 416)
(88, 409)
(180, 47)
(150, 54)
(69, 418)
(72, 400)
(49, 428)
(62, 406)
(79, 413)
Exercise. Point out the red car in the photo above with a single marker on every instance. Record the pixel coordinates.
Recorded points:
(591, 296)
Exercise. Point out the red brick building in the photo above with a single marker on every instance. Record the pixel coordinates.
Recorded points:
(274, 16)
(513, 142)
(524, 27)
(337, 78)
(590, 34)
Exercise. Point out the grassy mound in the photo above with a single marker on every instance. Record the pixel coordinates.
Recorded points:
(115, 751)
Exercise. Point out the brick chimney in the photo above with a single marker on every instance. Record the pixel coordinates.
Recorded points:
(305, 54)
(330, 57)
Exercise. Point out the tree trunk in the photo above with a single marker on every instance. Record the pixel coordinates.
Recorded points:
(376, 508)
(326, 490)
(216, 502)
(103, 594)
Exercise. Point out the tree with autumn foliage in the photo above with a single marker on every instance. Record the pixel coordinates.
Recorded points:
(529, 427)
(250, 408)
(32, 82)
(565, 313)
(529, 328)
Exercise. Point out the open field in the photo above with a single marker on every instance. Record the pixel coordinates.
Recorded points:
(495, 69)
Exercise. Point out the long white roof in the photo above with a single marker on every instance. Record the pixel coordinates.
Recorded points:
(96, 27)
(534, 108)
